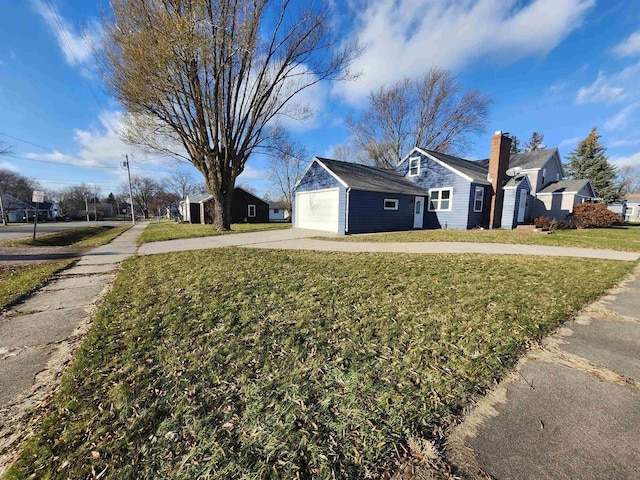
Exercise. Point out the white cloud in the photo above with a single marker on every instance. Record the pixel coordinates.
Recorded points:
(600, 91)
(571, 142)
(101, 145)
(625, 142)
(630, 72)
(76, 44)
(630, 47)
(403, 37)
(251, 173)
(631, 160)
(9, 166)
(622, 118)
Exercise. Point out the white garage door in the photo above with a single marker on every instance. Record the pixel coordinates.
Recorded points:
(318, 210)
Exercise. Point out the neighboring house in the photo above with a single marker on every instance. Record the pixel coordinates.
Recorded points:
(429, 189)
(629, 207)
(190, 208)
(245, 208)
(19, 211)
(278, 212)
(47, 210)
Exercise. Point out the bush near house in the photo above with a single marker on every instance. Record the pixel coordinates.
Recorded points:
(592, 215)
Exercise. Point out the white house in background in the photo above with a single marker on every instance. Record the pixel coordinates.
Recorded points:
(190, 208)
(632, 211)
(278, 212)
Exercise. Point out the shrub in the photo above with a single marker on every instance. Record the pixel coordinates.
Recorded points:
(542, 222)
(593, 215)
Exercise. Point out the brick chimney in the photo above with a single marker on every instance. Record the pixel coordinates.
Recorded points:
(498, 165)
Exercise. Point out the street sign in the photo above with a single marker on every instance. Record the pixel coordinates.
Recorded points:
(38, 196)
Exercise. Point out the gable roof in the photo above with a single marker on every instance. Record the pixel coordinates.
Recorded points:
(197, 198)
(370, 179)
(525, 160)
(478, 173)
(278, 205)
(513, 182)
(535, 159)
(567, 186)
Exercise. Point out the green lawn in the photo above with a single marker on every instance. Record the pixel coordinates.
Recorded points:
(619, 238)
(88, 237)
(157, 232)
(247, 364)
(18, 280)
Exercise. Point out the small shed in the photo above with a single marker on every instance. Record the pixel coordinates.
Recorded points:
(278, 212)
(245, 208)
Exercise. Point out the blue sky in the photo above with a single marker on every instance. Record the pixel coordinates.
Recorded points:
(558, 67)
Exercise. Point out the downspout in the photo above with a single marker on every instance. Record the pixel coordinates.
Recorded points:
(346, 213)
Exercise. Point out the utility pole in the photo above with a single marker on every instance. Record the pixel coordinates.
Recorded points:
(86, 205)
(125, 164)
(2, 211)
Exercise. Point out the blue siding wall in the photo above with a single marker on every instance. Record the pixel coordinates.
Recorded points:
(511, 204)
(317, 178)
(367, 213)
(434, 175)
(509, 209)
(479, 219)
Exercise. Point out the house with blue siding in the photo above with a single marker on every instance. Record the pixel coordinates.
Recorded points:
(429, 189)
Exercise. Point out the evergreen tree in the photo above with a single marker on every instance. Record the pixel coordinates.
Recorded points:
(515, 145)
(535, 142)
(588, 160)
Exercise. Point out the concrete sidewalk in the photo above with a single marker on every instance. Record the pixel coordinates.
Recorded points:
(39, 335)
(571, 409)
(299, 239)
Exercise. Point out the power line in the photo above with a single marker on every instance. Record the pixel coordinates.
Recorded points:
(22, 140)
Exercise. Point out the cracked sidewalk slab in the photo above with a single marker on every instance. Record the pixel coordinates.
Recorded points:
(571, 407)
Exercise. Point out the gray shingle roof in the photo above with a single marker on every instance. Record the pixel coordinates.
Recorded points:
(562, 186)
(515, 181)
(525, 160)
(371, 179)
(534, 159)
(197, 198)
(475, 170)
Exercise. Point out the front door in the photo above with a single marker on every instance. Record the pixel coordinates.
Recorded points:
(522, 208)
(418, 212)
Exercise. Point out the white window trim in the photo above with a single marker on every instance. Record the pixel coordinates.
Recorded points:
(450, 189)
(249, 211)
(395, 200)
(409, 174)
(481, 190)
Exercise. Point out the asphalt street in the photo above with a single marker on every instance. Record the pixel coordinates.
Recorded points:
(18, 230)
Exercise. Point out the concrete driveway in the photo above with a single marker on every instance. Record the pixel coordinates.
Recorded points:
(300, 239)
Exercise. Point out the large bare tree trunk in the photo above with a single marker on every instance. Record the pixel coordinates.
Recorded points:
(222, 210)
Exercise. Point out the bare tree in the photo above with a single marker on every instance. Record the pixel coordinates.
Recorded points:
(181, 183)
(206, 80)
(144, 189)
(629, 178)
(4, 149)
(515, 145)
(535, 142)
(286, 167)
(431, 112)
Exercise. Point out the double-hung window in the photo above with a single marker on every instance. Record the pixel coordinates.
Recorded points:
(478, 199)
(440, 199)
(414, 166)
(252, 211)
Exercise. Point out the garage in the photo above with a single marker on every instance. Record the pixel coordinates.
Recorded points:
(318, 210)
